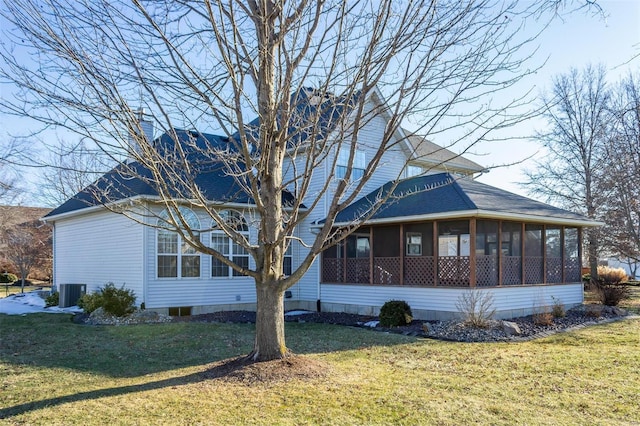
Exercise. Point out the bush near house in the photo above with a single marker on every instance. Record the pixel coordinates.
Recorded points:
(115, 301)
(52, 300)
(8, 278)
(395, 313)
(611, 286)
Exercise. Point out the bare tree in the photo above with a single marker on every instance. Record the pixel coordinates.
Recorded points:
(218, 65)
(621, 211)
(577, 115)
(69, 168)
(27, 247)
(9, 155)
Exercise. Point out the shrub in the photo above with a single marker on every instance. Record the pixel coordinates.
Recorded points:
(395, 313)
(476, 307)
(90, 302)
(558, 310)
(8, 277)
(115, 301)
(52, 300)
(594, 311)
(611, 275)
(118, 301)
(543, 318)
(611, 286)
(542, 312)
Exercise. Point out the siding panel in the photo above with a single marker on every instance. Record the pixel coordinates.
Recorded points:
(506, 300)
(99, 248)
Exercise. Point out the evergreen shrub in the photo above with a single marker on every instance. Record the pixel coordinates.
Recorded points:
(395, 313)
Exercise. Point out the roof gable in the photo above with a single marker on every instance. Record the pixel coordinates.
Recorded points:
(435, 155)
(314, 113)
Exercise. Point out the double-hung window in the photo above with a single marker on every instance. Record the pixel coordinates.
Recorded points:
(414, 244)
(176, 258)
(230, 249)
(287, 264)
(359, 164)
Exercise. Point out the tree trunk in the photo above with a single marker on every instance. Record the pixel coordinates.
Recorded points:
(269, 343)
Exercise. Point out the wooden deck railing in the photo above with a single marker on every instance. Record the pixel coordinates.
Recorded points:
(452, 271)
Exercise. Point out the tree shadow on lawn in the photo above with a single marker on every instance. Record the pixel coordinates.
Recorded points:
(133, 351)
(53, 341)
(236, 370)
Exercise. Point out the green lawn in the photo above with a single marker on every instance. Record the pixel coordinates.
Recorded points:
(7, 290)
(55, 372)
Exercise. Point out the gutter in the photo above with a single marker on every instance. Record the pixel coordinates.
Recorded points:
(484, 214)
(150, 199)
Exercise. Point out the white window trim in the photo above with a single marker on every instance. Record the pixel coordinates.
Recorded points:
(343, 161)
(231, 253)
(179, 254)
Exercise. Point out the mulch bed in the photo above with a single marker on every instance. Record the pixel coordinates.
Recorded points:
(443, 330)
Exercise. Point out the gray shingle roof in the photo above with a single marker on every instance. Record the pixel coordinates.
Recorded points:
(133, 179)
(444, 195)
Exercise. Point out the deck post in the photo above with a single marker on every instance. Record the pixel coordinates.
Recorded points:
(562, 251)
(499, 253)
(523, 233)
(435, 252)
(544, 253)
(472, 252)
(401, 254)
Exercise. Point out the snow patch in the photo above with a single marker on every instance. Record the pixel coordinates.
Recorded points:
(296, 313)
(372, 324)
(31, 303)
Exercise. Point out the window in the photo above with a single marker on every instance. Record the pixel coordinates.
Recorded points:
(359, 164)
(174, 254)
(414, 244)
(414, 171)
(454, 238)
(227, 247)
(287, 262)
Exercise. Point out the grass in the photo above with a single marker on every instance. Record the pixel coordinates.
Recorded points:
(7, 290)
(55, 372)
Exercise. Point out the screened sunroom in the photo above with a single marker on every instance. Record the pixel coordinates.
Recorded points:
(456, 253)
(449, 232)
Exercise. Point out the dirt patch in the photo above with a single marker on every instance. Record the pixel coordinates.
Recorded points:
(243, 370)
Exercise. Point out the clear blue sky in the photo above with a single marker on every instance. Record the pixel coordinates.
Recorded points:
(578, 40)
(581, 38)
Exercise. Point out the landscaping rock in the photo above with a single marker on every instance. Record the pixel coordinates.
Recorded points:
(511, 328)
(100, 317)
(614, 310)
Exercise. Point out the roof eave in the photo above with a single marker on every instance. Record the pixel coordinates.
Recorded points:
(144, 198)
(483, 214)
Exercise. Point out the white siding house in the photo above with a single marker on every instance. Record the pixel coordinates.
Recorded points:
(522, 252)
